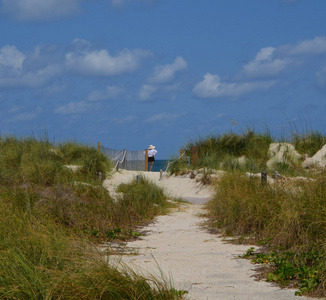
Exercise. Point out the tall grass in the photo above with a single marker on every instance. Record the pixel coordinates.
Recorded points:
(309, 143)
(51, 218)
(141, 199)
(219, 151)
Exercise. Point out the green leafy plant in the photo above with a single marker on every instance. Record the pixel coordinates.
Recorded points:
(122, 234)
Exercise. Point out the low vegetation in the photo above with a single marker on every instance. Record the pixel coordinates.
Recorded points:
(53, 213)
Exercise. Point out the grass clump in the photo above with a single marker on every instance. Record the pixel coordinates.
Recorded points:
(141, 199)
(51, 218)
(39, 162)
(222, 151)
(309, 143)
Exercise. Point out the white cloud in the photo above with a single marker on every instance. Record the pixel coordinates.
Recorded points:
(28, 79)
(321, 77)
(166, 73)
(15, 74)
(20, 114)
(147, 91)
(212, 87)
(118, 4)
(101, 63)
(40, 10)
(53, 89)
(163, 117)
(309, 47)
(11, 57)
(110, 92)
(271, 61)
(121, 4)
(25, 116)
(124, 120)
(265, 64)
(73, 108)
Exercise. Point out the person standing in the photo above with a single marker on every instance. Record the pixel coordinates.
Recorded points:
(151, 156)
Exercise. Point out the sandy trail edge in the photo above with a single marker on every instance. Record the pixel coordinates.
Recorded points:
(194, 260)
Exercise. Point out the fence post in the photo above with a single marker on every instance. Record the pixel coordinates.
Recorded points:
(263, 177)
(146, 160)
(194, 155)
(125, 159)
(98, 147)
(118, 165)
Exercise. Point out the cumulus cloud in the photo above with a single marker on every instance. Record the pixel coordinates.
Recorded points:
(21, 114)
(146, 91)
(25, 116)
(29, 79)
(124, 120)
(212, 87)
(163, 74)
(321, 77)
(271, 61)
(14, 75)
(121, 4)
(163, 117)
(308, 47)
(40, 10)
(73, 108)
(110, 92)
(265, 64)
(11, 57)
(102, 63)
(53, 89)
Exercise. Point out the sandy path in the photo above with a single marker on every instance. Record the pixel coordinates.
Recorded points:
(194, 259)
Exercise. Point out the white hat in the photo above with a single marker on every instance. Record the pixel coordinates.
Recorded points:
(151, 147)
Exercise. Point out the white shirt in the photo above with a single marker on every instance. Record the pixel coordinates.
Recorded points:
(151, 152)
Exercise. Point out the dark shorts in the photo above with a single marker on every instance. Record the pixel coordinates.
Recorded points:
(150, 159)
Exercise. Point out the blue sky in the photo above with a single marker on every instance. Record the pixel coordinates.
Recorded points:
(129, 73)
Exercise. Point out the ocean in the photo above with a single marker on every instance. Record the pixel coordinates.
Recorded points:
(159, 164)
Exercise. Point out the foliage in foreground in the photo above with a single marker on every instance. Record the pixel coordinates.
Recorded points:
(50, 215)
(288, 218)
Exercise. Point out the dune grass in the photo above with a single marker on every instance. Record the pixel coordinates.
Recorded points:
(52, 217)
(221, 150)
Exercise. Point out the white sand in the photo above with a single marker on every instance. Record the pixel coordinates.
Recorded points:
(195, 260)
